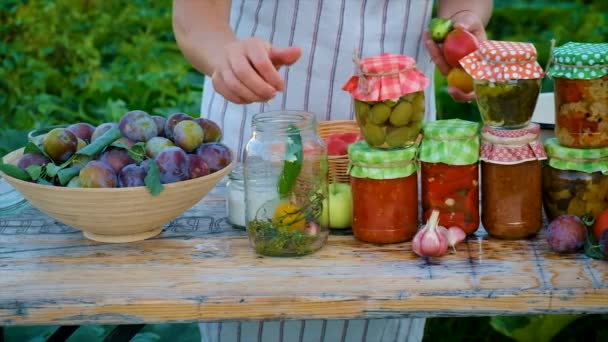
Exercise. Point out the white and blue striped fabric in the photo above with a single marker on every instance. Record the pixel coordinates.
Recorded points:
(328, 31)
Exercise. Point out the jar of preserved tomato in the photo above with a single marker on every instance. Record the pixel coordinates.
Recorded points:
(385, 193)
(575, 181)
(388, 91)
(511, 181)
(449, 155)
(507, 80)
(285, 178)
(580, 78)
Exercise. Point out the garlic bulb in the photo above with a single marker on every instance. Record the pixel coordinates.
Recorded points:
(431, 240)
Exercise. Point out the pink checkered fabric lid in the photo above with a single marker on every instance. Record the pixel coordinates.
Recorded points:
(498, 61)
(386, 76)
(500, 146)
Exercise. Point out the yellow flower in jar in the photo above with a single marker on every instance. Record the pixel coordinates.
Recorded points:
(289, 214)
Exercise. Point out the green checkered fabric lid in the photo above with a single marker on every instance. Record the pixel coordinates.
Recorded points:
(575, 159)
(581, 61)
(453, 142)
(368, 162)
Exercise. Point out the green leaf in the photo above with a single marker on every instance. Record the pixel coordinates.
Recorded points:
(33, 148)
(35, 171)
(66, 175)
(537, 328)
(591, 247)
(15, 172)
(43, 181)
(52, 170)
(292, 166)
(152, 179)
(137, 152)
(101, 143)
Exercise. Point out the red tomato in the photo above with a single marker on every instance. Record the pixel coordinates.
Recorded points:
(337, 143)
(601, 224)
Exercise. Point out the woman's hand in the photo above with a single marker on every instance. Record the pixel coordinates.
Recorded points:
(465, 20)
(247, 70)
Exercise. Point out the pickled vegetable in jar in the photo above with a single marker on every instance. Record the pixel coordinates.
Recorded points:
(507, 80)
(511, 181)
(388, 92)
(385, 193)
(575, 181)
(285, 173)
(580, 78)
(449, 155)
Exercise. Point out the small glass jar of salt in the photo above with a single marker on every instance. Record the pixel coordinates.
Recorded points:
(235, 204)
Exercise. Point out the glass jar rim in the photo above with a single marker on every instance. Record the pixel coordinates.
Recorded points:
(277, 121)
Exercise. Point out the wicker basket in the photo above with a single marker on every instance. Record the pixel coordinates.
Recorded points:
(338, 165)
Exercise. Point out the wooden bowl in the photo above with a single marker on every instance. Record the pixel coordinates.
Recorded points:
(116, 214)
(338, 165)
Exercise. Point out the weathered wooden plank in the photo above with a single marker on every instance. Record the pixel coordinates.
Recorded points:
(201, 269)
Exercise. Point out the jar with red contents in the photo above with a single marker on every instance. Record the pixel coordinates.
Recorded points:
(449, 155)
(511, 181)
(385, 193)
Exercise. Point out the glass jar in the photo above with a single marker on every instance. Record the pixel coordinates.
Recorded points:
(511, 182)
(449, 155)
(575, 181)
(507, 81)
(388, 91)
(580, 79)
(285, 174)
(235, 203)
(385, 193)
(391, 123)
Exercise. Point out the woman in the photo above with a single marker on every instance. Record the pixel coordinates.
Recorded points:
(243, 45)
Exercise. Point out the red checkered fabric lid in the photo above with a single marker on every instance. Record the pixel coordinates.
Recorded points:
(499, 146)
(498, 61)
(386, 76)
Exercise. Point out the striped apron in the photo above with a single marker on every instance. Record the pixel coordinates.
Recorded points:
(329, 32)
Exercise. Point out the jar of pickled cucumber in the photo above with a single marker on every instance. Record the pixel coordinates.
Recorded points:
(388, 92)
(575, 181)
(511, 184)
(449, 156)
(580, 79)
(507, 80)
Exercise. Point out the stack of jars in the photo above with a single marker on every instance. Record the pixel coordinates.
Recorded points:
(575, 179)
(389, 105)
(507, 81)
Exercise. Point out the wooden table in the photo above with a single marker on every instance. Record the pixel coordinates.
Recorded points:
(202, 269)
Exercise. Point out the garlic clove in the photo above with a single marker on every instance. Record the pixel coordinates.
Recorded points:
(454, 236)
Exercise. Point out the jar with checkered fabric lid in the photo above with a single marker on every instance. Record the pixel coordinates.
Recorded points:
(388, 91)
(449, 156)
(507, 80)
(511, 181)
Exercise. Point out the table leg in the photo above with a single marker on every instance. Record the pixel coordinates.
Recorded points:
(1, 333)
(124, 333)
(62, 333)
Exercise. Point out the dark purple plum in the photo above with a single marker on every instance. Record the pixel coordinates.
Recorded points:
(198, 166)
(101, 129)
(137, 125)
(82, 130)
(145, 164)
(30, 159)
(60, 144)
(131, 175)
(217, 155)
(160, 125)
(124, 141)
(97, 174)
(173, 165)
(213, 132)
(156, 144)
(116, 158)
(566, 234)
(188, 135)
(173, 120)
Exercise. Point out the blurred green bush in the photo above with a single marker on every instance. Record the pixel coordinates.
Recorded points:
(66, 61)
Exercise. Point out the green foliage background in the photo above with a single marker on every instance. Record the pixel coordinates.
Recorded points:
(66, 61)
